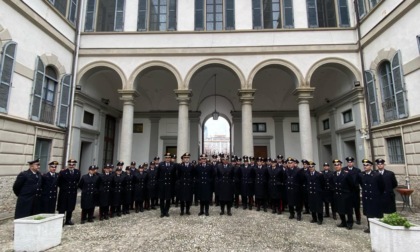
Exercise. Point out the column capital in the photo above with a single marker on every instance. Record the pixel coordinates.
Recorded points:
(304, 94)
(246, 95)
(183, 96)
(128, 96)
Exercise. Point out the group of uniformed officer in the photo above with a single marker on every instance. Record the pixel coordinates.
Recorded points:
(274, 184)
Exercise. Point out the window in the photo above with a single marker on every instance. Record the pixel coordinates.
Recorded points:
(104, 15)
(259, 127)
(272, 14)
(44, 94)
(395, 150)
(294, 127)
(214, 15)
(361, 8)
(7, 63)
(326, 124)
(372, 101)
(109, 139)
(373, 3)
(42, 151)
(68, 8)
(347, 116)
(322, 13)
(88, 118)
(157, 15)
(394, 101)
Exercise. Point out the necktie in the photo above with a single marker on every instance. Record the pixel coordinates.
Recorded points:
(312, 173)
(71, 172)
(338, 174)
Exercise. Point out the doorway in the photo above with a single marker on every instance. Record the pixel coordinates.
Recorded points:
(349, 149)
(260, 151)
(86, 157)
(216, 136)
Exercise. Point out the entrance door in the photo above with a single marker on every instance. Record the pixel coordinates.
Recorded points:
(86, 156)
(171, 149)
(350, 149)
(260, 151)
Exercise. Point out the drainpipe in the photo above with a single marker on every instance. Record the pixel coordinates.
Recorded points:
(407, 176)
(365, 93)
(74, 75)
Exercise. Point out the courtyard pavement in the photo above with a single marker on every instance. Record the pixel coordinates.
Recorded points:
(245, 230)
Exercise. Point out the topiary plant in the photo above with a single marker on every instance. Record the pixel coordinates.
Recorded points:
(395, 219)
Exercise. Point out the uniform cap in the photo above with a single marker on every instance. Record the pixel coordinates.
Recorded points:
(279, 156)
(311, 163)
(168, 155)
(120, 163)
(337, 161)
(92, 167)
(290, 159)
(304, 161)
(203, 156)
(34, 161)
(186, 154)
(380, 161)
(366, 161)
(260, 159)
(326, 164)
(53, 163)
(348, 159)
(133, 163)
(72, 161)
(156, 158)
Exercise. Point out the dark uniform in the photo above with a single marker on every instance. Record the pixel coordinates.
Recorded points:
(294, 181)
(388, 197)
(261, 179)
(275, 181)
(372, 190)
(305, 192)
(236, 181)
(104, 182)
(247, 177)
(117, 187)
(165, 175)
(315, 185)
(89, 186)
(128, 188)
(140, 188)
(354, 172)
(152, 189)
(49, 190)
(216, 181)
(328, 194)
(225, 186)
(204, 175)
(68, 181)
(185, 184)
(27, 188)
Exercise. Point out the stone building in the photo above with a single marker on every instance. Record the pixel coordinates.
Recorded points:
(108, 80)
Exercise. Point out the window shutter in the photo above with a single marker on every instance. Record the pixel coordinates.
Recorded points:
(399, 87)
(63, 110)
(361, 8)
(288, 14)
(312, 13)
(37, 89)
(90, 13)
(372, 101)
(199, 15)
(142, 16)
(344, 13)
(256, 14)
(73, 11)
(230, 15)
(7, 64)
(119, 15)
(172, 15)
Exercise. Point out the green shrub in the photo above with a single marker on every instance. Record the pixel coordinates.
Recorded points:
(396, 219)
(39, 217)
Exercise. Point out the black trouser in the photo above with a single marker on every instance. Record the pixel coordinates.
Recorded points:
(292, 210)
(68, 215)
(204, 205)
(260, 203)
(153, 202)
(236, 200)
(247, 200)
(327, 208)
(225, 203)
(87, 214)
(104, 211)
(185, 204)
(317, 216)
(139, 205)
(275, 204)
(356, 205)
(349, 221)
(164, 206)
(116, 210)
(126, 208)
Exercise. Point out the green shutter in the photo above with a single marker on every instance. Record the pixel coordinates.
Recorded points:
(90, 15)
(372, 101)
(119, 15)
(37, 90)
(7, 64)
(399, 87)
(63, 110)
(312, 13)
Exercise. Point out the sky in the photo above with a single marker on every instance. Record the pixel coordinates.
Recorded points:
(217, 127)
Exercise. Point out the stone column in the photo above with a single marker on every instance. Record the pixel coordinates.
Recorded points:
(126, 136)
(306, 146)
(194, 138)
(237, 133)
(246, 96)
(183, 98)
(154, 137)
(77, 125)
(279, 135)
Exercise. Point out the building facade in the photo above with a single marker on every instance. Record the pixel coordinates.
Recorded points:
(108, 80)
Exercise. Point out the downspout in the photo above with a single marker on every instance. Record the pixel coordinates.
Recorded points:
(407, 176)
(365, 93)
(74, 75)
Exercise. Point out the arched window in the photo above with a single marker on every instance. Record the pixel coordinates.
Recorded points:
(272, 14)
(323, 13)
(7, 63)
(214, 15)
(157, 15)
(104, 15)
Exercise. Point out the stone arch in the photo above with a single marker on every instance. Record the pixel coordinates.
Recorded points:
(322, 62)
(155, 63)
(297, 74)
(218, 61)
(383, 54)
(52, 60)
(107, 64)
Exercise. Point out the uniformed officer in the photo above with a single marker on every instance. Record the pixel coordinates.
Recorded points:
(214, 164)
(128, 188)
(165, 175)
(328, 193)
(104, 181)
(133, 170)
(275, 181)
(315, 185)
(49, 189)
(372, 189)
(305, 170)
(27, 188)
(117, 186)
(354, 172)
(281, 166)
(388, 197)
(294, 181)
(343, 194)
(152, 189)
(225, 182)
(236, 165)
(261, 179)
(89, 186)
(247, 178)
(140, 188)
(68, 180)
(184, 180)
(204, 175)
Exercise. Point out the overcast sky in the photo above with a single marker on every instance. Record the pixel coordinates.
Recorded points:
(217, 127)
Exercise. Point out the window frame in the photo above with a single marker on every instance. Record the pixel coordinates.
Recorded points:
(12, 69)
(204, 14)
(312, 6)
(372, 98)
(147, 19)
(259, 127)
(395, 150)
(71, 7)
(91, 16)
(282, 13)
(326, 124)
(294, 127)
(349, 118)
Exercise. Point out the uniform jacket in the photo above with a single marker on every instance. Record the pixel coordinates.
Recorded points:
(247, 177)
(225, 182)
(315, 186)
(185, 181)
(275, 181)
(372, 190)
(343, 192)
(165, 176)
(388, 197)
(27, 188)
(67, 183)
(105, 183)
(204, 177)
(49, 192)
(89, 186)
(261, 179)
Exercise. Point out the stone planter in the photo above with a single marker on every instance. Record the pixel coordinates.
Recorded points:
(38, 235)
(385, 237)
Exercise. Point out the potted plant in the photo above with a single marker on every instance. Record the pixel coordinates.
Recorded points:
(394, 233)
(38, 232)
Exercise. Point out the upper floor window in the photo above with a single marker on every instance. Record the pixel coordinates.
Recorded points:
(364, 6)
(214, 15)
(394, 103)
(347, 116)
(157, 15)
(7, 63)
(326, 124)
(44, 96)
(104, 15)
(259, 127)
(323, 13)
(66, 7)
(272, 14)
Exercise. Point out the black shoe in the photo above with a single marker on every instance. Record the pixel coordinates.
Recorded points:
(306, 212)
(229, 213)
(162, 215)
(182, 213)
(119, 214)
(106, 217)
(236, 206)
(70, 223)
(90, 220)
(291, 216)
(358, 222)
(82, 222)
(200, 213)
(273, 211)
(207, 214)
(313, 221)
(167, 215)
(367, 230)
(279, 212)
(349, 227)
(222, 213)
(250, 207)
(258, 209)
(101, 218)
(244, 207)
(141, 210)
(334, 217)
(265, 209)
(341, 225)
(319, 222)
(299, 218)
(137, 211)
(188, 213)
(128, 212)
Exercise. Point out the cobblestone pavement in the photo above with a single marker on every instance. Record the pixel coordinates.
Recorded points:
(244, 231)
